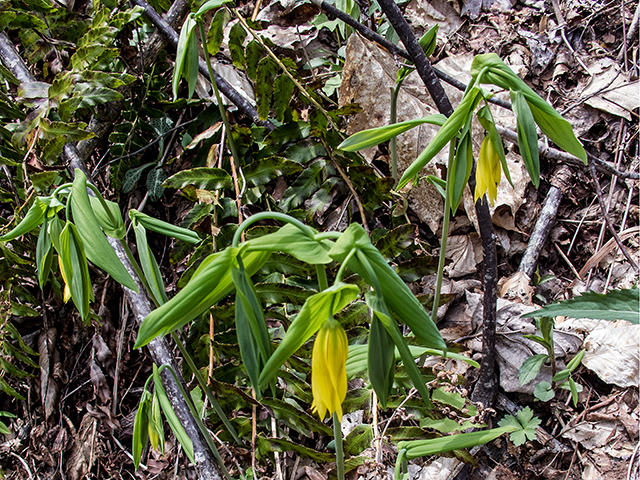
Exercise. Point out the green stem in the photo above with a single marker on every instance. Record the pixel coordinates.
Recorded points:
(272, 215)
(223, 113)
(201, 426)
(445, 232)
(344, 266)
(327, 235)
(337, 434)
(323, 284)
(205, 388)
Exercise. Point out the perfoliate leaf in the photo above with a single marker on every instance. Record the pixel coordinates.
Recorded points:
(290, 239)
(614, 305)
(109, 218)
(33, 218)
(527, 136)
(314, 312)
(381, 360)
(184, 43)
(374, 136)
(95, 243)
(149, 265)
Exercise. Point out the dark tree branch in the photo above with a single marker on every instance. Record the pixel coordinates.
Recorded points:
(140, 304)
(486, 386)
(232, 94)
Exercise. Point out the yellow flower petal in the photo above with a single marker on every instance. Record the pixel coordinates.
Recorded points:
(328, 369)
(488, 172)
(66, 296)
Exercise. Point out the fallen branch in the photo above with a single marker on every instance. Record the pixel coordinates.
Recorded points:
(140, 304)
(231, 93)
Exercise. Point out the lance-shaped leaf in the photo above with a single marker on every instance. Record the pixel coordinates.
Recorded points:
(377, 305)
(290, 239)
(156, 429)
(202, 178)
(614, 305)
(375, 136)
(527, 136)
(149, 264)
(183, 55)
(170, 415)
(32, 219)
(44, 254)
(448, 131)
(140, 428)
(433, 446)
(210, 5)
(109, 217)
(210, 283)
(76, 270)
(395, 292)
(381, 360)
(314, 312)
(96, 245)
(164, 228)
(548, 119)
(462, 163)
(253, 337)
(531, 367)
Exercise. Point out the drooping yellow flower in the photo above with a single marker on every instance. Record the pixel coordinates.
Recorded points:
(488, 172)
(328, 369)
(67, 292)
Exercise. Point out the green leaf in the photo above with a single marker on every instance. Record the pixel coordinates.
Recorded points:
(237, 35)
(72, 131)
(268, 445)
(109, 218)
(530, 368)
(184, 43)
(253, 337)
(33, 218)
(95, 243)
(202, 178)
(163, 228)
(314, 312)
(377, 305)
(156, 428)
(525, 425)
(574, 391)
(543, 391)
(290, 239)
(209, 284)
(395, 292)
(170, 415)
(9, 390)
(463, 161)
(381, 360)
(575, 361)
(44, 254)
(448, 131)
(307, 183)
(267, 69)
(254, 53)
(396, 241)
(614, 305)
(140, 429)
(215, 36)
(76, 269)
(295, 418)
(154, 184)
(527, 136)
(149, 264)
(283, 93)
(375, 136)
(132, 176)
(210, 5)
(264, 170)
(433, 446)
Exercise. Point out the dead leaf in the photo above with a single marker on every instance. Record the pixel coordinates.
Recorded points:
(516, 288)
(99, 382)
(104, 355)
(83, 453)
(465, 251)
(314, 474)
(49, 356)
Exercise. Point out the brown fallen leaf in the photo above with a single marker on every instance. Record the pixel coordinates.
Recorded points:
(49, 356)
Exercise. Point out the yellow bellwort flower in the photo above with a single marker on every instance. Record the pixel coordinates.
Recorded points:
(67, 291)
(328, 369)
(488, 172)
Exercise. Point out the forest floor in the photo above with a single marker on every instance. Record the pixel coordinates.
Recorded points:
(581, 56)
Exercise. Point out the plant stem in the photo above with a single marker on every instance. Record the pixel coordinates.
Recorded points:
(272, 215)
(205, 388)
(337, 435)
(323, 284)
(445, 233)
(223, 112)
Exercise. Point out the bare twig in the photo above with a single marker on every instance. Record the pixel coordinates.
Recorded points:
(605, 214)
(630, 37)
